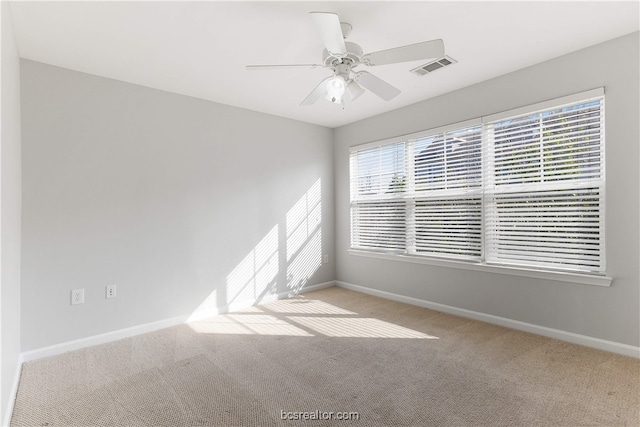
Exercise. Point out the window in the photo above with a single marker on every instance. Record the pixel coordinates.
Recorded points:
(521, 188)
(380, 214)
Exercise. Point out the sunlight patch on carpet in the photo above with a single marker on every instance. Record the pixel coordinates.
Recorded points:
(247, 324)
(358, 328)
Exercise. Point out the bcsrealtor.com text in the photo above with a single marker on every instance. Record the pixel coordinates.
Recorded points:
(319, 415)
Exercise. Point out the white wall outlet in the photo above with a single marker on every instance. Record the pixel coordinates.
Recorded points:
(326, 258)
(110, 291)
(77, 296)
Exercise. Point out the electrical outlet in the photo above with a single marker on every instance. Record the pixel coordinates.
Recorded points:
(110, 291)
(77, 296)
(326, 258)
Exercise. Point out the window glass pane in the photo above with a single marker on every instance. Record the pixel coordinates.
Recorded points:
(380, 170)
(554, 145)
(448, 160)
(516, 144)
(571, 142)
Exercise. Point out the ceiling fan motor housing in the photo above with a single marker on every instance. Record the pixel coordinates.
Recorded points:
(352, 58)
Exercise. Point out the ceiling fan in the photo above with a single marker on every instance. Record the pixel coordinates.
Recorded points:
(342, 57)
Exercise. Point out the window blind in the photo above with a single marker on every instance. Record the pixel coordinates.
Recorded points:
(420, 196)
(449, 160)
(449, 227)
(545, 188)
(522, 188)
(555, 228)
(447, 194)
(378, 215)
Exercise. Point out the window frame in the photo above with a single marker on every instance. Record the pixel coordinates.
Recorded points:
(557, 274)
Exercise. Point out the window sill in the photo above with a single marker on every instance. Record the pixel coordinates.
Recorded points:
(585, 279)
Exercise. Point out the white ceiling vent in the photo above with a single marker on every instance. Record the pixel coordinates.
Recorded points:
(432, 66)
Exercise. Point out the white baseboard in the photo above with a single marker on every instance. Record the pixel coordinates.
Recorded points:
(305, 289)
(64, 347)
(611, 346)
(8, 413)
(154, 326)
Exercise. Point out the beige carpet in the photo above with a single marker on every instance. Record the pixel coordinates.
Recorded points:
(332, 351)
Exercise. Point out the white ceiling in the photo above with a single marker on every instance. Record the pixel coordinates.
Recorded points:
(200, 49)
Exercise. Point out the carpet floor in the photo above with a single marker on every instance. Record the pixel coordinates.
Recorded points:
(332, 357)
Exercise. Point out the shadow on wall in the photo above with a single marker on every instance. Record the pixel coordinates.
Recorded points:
(289, 253)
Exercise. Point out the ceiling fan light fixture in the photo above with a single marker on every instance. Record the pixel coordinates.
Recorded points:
(335, 89)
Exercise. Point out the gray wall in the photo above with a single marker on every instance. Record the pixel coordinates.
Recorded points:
(10, 194)
(606, 313)
(184, 204)
(179, 201)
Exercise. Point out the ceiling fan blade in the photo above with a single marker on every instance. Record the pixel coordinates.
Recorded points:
(376, 85)
(316, 93)
(328, 25)
(412, 52)
(281, 66)
(354, 90)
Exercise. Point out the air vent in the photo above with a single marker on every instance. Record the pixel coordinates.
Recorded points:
(433, 65)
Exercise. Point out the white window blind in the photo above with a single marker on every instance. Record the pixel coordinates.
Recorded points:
(420, 196)
(447, 194)
(448, 160)
(378, 216)
(449, 227)
(522, 188)
(544, 196)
